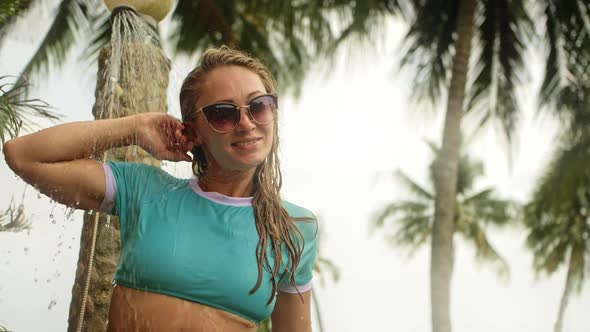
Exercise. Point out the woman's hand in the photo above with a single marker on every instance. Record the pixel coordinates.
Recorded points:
(162, 136)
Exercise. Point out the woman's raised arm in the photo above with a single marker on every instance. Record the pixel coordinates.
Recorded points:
(57, 160)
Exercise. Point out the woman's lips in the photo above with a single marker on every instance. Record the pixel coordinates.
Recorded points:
(247, 144)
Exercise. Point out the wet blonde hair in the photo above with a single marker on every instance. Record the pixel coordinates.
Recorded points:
(273, 223)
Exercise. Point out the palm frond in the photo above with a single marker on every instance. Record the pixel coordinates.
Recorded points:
(565, 177)
(13, 219)
(557, 214)
(100, 34)
(504, 30)
(363, 18)
(407, 208)
(264, 326)
(325, 266)
(484, 250)
(470, 170)
(566, 84)
(70, 19)
(412, 186)
(486, 208)
(428, 47)
(16, 111)
(9, 11)
(412, 232)
(284, 35)
(578, 266)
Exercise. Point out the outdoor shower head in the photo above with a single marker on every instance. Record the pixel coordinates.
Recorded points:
(155, 9)
(146, 18)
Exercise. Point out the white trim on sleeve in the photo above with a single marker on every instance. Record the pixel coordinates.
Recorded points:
(288, 288)
(111, 190)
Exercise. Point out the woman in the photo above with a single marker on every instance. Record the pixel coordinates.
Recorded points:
(212, 253)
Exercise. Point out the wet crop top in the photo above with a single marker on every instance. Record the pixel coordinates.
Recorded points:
(200, 246)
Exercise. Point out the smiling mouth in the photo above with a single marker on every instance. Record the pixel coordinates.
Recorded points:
(246, 143)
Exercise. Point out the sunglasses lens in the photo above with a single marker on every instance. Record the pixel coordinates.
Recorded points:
(263, 108)
(222, 117)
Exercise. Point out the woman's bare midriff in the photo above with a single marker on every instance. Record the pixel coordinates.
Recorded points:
(134, 310)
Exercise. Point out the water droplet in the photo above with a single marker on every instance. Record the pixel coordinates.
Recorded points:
(53, 222)
(26, 250)
(38, 195)
(48, 280)
(51, 304)
(51, 215)
(69, 247)
(35, 279)
(70, 212)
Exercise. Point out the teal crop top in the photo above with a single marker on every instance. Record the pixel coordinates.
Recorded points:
(199, 246)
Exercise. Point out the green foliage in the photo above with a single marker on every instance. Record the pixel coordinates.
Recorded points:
(265, 326)
(566, 83)
(287, 35)
(16, 111)
(13, 219)
(503, 30)
(412, 219)
(558, 214)
(9, 9)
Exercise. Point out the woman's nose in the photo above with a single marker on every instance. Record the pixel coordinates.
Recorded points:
(246, 122)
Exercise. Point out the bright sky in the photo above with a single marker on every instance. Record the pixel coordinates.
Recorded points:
(346, 128)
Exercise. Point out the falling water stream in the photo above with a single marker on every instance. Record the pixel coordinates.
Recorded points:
(128, 88)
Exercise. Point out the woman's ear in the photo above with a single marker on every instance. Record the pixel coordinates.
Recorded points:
(190, 132)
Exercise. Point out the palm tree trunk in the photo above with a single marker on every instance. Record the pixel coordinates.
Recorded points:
(151, 97)
(566, 294)
(446, 168)
(318, 313)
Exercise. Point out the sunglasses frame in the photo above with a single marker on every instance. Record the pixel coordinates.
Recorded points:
(239, 110)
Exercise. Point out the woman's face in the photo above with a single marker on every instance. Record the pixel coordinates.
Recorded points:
(249, 143)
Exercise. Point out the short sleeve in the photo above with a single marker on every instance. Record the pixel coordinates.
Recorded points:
(127, 183)
(304, 271)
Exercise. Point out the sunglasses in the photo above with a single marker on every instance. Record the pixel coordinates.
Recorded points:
(225, 117)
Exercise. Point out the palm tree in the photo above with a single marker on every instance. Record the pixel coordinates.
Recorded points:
(557, 213)
(413, 222)
(557, 218)
(438, 49)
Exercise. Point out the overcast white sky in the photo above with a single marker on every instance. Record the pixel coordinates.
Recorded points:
(346, 128)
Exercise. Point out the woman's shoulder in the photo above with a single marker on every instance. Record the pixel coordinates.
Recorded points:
(145, 171)
(305, 219)
(297, 211)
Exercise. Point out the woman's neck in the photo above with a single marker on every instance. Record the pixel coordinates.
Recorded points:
(232, 184)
